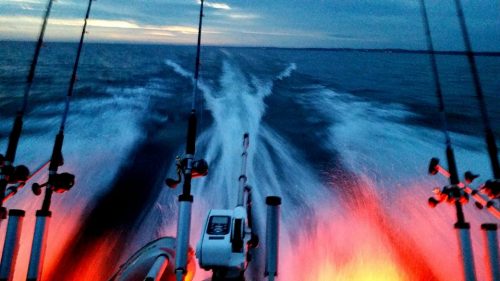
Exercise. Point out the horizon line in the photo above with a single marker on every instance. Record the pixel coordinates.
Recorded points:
(387, 50)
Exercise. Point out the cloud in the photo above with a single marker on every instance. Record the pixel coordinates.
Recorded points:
(21, 1)
(244, 16)
(117, 24)
(216, 5)
(100, 30)
(221, 6)
(95, 23)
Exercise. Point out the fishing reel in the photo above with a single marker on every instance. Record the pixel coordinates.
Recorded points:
(491, 188)
(58, 183)
(13, 175)
(449, 193)
(460, 191)
(199, 169)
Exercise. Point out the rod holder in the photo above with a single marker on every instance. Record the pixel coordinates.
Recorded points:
(39, 245)
(183, 231)
(491, 251)
(272, 236)
(12, 243)
(466, 254)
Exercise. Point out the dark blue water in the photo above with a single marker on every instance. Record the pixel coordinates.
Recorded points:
(343, 136)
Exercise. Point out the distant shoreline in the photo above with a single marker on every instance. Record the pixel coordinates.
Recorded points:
(364, 50)
(461, 53)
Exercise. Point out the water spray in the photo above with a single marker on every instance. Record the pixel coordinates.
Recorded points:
(57, 182)
(452, 192)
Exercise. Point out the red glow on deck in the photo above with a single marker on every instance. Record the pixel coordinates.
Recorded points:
(368, 236)
(361, 240)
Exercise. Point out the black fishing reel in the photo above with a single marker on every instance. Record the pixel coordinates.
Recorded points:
(449, 194)
(491, 188)
(59, 183)
(14, 175)
(199, 169)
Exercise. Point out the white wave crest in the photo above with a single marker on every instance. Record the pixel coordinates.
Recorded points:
(179, 69)
(287, 72)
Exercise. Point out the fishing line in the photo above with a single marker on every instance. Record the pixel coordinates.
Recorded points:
(489, 136)
(439, 94)
(39, 44)
(57, 158)
(18, 123)
(197, 64)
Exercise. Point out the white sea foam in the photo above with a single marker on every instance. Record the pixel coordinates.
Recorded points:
(274, 166)
(179, 69)
(287, 72)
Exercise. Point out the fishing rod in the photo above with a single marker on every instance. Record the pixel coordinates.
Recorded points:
(452, 192)
(16, 176)
(189, 169)
(8, 173)
(490, 187)
(489, 136)
(57, 182)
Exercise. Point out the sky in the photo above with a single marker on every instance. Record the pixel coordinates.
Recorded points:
(271, 23)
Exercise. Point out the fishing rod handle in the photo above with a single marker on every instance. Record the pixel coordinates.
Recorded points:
(466, 251)
(11, 244)
(183, 234)
(272, 235)
(491, 250)
(39, 246)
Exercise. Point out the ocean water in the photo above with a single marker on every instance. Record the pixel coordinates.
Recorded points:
(344, 137)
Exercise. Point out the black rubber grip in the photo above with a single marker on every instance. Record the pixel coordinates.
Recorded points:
(462, 225)
(16, 213)
(489, 226)
(43, 213)
(186, 198)
(273, 200)
(56, 159)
